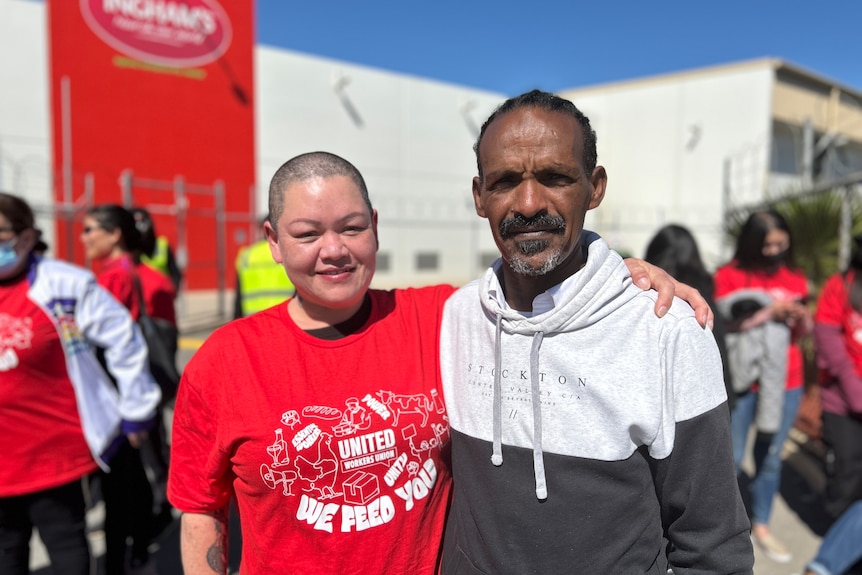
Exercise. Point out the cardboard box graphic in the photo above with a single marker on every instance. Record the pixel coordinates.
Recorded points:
(360, 488)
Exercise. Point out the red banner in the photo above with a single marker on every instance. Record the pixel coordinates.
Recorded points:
(153, 105)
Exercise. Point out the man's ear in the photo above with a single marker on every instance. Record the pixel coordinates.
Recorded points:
(477, 196)
(272, 238)
(599, 180)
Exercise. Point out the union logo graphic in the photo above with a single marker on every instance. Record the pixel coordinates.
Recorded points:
(176, 33)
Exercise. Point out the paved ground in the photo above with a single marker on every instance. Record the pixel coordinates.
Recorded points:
(798, 519)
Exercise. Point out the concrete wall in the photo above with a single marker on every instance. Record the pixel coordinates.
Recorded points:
(25, 137)
(829, 108)
(410, 137)
(664, 142)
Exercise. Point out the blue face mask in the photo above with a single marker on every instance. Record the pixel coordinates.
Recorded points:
(9, 258)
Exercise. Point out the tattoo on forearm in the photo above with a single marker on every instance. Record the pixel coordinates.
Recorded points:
(217, 553)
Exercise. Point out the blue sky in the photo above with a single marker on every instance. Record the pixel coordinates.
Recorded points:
(511, 47)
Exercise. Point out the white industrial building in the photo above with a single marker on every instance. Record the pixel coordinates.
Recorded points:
(686, 147)
(679, 148)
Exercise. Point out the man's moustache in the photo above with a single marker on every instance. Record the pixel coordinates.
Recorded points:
(545, 222)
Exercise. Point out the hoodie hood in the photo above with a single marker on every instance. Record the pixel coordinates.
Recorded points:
(594, 292)
(582, 299)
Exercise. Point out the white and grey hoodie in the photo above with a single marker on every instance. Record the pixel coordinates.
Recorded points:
(587, 434)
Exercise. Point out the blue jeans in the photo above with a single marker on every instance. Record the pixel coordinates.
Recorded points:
(767, 454)
(840, 548)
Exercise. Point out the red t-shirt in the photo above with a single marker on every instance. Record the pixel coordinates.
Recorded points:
(159, 293)
(117, 276)
(337, 451)
(834, 309)
(783, 285)
(42, 444)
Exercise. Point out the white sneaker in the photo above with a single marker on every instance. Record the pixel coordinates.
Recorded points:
(772, 548)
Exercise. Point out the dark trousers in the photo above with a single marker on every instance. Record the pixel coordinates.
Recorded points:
(843, 434)
(59, 515)
(128, 509)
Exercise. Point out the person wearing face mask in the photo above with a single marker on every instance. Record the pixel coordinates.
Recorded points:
(61, 417)
(762, 298)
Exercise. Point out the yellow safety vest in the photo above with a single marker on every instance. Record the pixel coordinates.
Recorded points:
(159, 259)
(263, 282)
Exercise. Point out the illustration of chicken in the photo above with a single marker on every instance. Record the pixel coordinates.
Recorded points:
(319, 470)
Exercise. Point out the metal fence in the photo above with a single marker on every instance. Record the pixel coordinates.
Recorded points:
(179, 201)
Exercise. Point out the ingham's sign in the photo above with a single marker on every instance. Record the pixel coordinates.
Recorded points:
(177, 33)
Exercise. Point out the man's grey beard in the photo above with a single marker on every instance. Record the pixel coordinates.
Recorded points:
(521, 266)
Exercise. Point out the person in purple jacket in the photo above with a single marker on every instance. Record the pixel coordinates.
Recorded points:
(838, 341)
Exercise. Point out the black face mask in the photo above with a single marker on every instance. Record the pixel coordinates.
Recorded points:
(775, 260)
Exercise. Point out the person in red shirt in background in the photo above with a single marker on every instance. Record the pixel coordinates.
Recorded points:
(838, 341)
(763, 262)
(61, 418)
(111, 238)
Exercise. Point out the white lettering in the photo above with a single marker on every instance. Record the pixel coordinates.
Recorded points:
(429, 473)
(384, 455)
(359, 462)
(362, 517)
(406, 494)
(306, 437)
(395, 470)
(174, 14)
(418, 488)
(365, 444)
(314, 512)
(376, 406)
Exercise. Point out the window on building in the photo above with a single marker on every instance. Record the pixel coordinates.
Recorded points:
(383, 261)
(786, 149)
(427, 261)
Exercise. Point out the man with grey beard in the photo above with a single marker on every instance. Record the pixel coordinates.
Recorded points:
(607, 427)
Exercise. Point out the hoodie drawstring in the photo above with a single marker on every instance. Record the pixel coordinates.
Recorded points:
(538, 457)
(497, 453)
